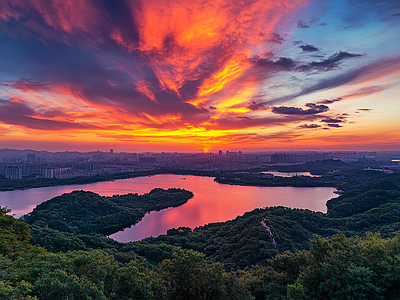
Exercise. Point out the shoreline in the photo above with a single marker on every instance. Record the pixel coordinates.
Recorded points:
(25, 184)
(39, 183)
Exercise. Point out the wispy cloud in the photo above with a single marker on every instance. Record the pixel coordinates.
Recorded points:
(18, 113)
(329, 63)
(313, 22)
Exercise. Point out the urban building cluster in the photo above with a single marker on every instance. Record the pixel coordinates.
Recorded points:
(19, 164)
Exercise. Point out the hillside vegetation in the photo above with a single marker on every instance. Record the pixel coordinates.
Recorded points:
(352, 252)
(333, 268)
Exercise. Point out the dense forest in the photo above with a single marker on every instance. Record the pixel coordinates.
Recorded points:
(271, 253)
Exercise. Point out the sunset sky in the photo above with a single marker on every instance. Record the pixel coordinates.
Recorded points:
(178, 75)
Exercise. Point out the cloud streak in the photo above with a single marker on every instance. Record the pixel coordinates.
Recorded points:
(329, 63)
(311, 110)
(18, 113)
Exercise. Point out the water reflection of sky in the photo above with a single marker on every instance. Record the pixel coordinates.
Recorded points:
(212, 202)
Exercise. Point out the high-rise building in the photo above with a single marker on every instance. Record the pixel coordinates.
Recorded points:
(30, 157)
(14, 172)
(48, 173)
(111, 151)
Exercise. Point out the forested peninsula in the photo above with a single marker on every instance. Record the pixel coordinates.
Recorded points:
(352, 252)
(82, 212)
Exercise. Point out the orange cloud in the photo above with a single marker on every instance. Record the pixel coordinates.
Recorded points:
(183, 38)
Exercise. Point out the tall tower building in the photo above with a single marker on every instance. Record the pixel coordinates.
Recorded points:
(30, 157)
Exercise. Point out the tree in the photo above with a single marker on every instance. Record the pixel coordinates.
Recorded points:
(187, 276)
(62, 286)
(350, 268)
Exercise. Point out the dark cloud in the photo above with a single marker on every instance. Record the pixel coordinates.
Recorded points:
(396, 15)
(310, 126)
(328, 64)
(334, 125)
(308, 48)
(282, 64)
(313, 22)
(276, 38)
(298, 42)
(329, 101)
(272, 37)
(365, 109)
(332, 120)
(256, 106)
(302, 24)
(312, 109)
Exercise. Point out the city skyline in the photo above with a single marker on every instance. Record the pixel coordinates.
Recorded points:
(137, 76)
(29, 164)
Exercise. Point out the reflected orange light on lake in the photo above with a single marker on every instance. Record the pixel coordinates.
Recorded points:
(212, 202)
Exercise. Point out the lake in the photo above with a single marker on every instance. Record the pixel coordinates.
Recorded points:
(212, 202)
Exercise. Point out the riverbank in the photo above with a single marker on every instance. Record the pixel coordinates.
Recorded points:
(225, 177)
(261, 179)
(334, 173)
(11, 185)
(250, 178)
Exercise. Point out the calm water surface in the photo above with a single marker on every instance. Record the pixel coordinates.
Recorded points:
(212, 202)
